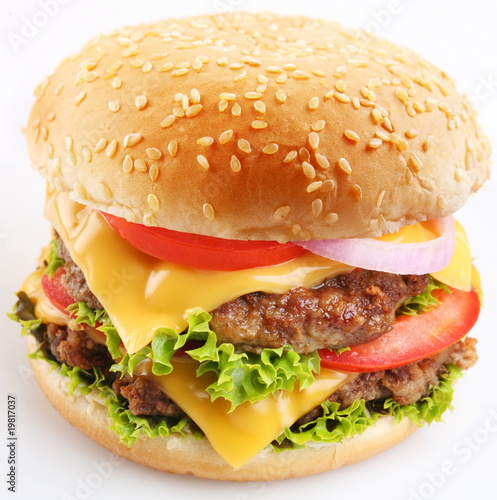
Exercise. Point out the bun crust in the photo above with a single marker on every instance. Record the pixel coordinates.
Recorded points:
(188, 456)
(256, 126)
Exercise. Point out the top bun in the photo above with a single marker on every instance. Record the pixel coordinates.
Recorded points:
(257, 126)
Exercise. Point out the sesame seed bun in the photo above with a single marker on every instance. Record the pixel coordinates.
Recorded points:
(189, 456)
(255, 126)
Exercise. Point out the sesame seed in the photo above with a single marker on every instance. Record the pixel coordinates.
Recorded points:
(178, 112)
(441, 202)
(203, 162)
(270, 149)
(127, 164)
(132, 139)
(136, 63)
(282, 212)
(79, 98)
(258, 124)
(195, 95)
(223, 105)
(281, 79)
(51, 116)
(344, 165)
(105, 191)
(253, 95)
(322, 161)
(236, 65)
(308, 170)
(261, 88)
(236, 110)
(331, 218)
(281, 95)
(100, 145)
(379, 200)
(226, 136)
(72, 158)
(114, 106)
(208, 211)
(172, 148)
(168, 121)
(366, 103)
(314, 186)
(416, 163)
(412, 132)
(58, 89)
(222, 61)
(205, 141)
(111, 149)
(304, 155)
(375, 143)
(180, 72)
(341, 86)
(68, 143)
(329, 94)
(290, 156)
(356, 103)
(153, 202)
(260, 107)
(318, 125)
(317, 207)
(313, 103)
(300, 75)
(410, 109)
(244, 145)
(153, 172)
(427, 143)
(356, 191)
(353, 136)
(274, 69)
(235, 164)
(314, 140)
(153, 153)
(377, 117)
(328, 186)
(147, 67)
(318, 72)
(240, 77)
(193, 110)
(227, 96)
(402, 145)
(140, 165)
(387, 124)
(382, 135)
(140, 102)
(402, 94)
(166, 67)
(86, 152)
(341, 97)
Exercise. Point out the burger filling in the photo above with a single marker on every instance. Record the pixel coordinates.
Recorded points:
(349, 309)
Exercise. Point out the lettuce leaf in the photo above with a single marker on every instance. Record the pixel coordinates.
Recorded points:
(424, 301)
(240, 377)
(335, 424)
(53, 259)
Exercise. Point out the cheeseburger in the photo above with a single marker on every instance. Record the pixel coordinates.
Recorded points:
(254, 272)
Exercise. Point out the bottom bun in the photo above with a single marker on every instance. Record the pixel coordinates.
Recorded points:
(189, 456)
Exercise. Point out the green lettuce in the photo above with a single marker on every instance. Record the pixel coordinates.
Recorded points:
(424, 301)
(336, 424)
(240, 377)
(53, 259)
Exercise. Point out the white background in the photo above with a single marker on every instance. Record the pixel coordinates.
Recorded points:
(456, 459)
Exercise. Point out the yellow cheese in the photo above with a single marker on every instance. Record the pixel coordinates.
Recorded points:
(240, 435)
(458, 273)
(44, 309)
(141, 293)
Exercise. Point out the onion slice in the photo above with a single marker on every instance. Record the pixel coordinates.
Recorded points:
(399, 258)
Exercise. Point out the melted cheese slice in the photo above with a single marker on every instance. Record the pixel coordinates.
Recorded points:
(240, 435)
(141, 293)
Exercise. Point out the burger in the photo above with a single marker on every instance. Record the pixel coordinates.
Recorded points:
(254, 272)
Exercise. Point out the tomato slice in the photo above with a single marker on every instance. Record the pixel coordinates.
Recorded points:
(55, 290)
(203, 252)
(412, 337)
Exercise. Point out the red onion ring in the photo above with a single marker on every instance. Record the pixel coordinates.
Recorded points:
(399, 258)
